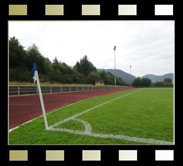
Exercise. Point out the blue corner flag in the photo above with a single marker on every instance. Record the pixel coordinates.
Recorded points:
(33, 70)
(34, 73)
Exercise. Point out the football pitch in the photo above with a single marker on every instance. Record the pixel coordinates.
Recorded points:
(139, 116)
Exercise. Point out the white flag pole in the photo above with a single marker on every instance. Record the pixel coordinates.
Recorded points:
(41, 99)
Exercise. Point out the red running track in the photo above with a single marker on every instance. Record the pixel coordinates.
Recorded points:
(25, 108)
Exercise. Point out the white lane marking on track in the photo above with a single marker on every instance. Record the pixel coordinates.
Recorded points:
(81, 113)
(23, 123)
(13, 128)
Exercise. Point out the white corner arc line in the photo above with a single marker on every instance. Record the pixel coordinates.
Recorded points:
(88, 127)
(124, 137)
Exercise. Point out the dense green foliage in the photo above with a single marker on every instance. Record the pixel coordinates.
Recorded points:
(162, 84)
(146, 82)
(21, 62)
(141, 82)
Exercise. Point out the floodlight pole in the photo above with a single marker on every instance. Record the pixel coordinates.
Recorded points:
(130, 69)
(130, 72)
(114, 66)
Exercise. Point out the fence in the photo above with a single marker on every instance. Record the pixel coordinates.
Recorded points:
(25, 90)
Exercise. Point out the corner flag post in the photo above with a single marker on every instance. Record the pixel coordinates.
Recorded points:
(35, 76)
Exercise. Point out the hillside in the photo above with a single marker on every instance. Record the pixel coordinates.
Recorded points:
(126, 77)
(21, 61)
(156, 78)
(129, 78)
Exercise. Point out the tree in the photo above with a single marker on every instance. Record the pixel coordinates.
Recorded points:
(18, 69)
(103, 75)
(159, 84)
(55, 64)
(47, 66)
(141, 82)
(77, 66)
(145, 82)
(34, 56)
(56, 76)
(93, 76)
(17, 54)
(109, 79)
(136, 82)
(48, 69)
(167, 80)
(78, 77)
(21, 62)
(85, 66)
(119, 81)
(65, 69)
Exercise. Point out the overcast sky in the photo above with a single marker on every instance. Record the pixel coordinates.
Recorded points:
(146, 45)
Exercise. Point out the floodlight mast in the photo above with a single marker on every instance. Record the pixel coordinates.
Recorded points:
(114, 66)
(130, 72)
(130, 69)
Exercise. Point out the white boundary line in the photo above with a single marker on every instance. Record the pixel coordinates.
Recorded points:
(88, 127)
(46, 113)
(81, 113)
(89, 133)
(23, 123)
(61, 108)
(124, 137)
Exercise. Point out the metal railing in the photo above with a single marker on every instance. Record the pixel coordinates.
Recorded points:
(27, 90)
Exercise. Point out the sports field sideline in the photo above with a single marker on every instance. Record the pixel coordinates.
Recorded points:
(27, 107)
(139, 116)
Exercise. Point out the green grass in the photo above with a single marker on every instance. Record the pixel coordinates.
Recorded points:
(72, 125)
(147, 113)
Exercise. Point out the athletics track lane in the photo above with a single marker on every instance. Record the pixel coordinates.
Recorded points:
(25, 108)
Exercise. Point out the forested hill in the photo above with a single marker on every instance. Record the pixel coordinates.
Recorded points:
(120, 73)
(21, 62)
(155, 78)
